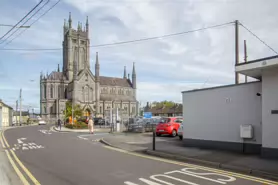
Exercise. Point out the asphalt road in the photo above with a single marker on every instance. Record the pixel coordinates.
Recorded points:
(78, 159)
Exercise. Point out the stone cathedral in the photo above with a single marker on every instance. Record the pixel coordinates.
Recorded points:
(76, 82)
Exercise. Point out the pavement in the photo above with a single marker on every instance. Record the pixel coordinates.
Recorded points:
(173, 148)
(45, 156)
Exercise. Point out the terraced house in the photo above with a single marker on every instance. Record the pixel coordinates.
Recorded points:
(76, 82)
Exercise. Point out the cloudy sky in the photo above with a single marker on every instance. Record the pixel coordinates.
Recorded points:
(165, 67)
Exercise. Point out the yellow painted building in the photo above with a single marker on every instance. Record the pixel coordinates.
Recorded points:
(5, 114)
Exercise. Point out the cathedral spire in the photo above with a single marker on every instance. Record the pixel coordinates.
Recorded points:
(97, 62)
(133, 76)
(87, 25)
(65, 23)
(133, 70)
(97, 67)
(124, 72)
(70, 21)
(78, 27)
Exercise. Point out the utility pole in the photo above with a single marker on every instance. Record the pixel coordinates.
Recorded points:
(245, 57)
(236, 51)
(16, 110)
(33, 113)
(20, 106)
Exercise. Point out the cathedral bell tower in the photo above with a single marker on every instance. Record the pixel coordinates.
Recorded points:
(76, 46)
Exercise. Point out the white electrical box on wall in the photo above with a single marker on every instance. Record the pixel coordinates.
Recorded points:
(246, 131)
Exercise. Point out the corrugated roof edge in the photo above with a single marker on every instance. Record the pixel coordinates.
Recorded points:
(218, 87)
(257, 60)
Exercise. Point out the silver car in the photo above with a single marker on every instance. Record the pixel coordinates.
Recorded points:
(180, 132)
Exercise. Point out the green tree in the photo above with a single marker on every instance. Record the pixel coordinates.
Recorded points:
(164, 103)
(77, 111)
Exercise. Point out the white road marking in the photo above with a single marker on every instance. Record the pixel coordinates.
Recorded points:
(32, 147)
(230, 178)
(19, 140)
(156, 179)
(45, 131)
(146, 181)
(25, 146)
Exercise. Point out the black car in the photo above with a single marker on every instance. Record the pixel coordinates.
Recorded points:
(99, 121)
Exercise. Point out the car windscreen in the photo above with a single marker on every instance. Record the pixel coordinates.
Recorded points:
(165, 120)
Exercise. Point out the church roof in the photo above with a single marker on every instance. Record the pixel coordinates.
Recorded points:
(56, 75)
(112, 81)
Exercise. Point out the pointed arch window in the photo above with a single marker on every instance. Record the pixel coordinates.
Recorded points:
(44, 91)
(51, 90)
(66, 93)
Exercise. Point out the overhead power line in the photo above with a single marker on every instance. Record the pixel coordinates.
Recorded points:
(34, 21)
(124, 42)
(21, 20)
(2, 41)
(258, 38)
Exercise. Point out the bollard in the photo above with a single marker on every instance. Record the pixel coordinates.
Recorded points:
(153, 140)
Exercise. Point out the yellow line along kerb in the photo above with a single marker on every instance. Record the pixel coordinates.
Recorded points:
(20, 175)
(7, 144)
(1, 140)
(35, 181)
(255, 179)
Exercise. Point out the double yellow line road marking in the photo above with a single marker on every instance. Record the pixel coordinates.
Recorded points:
(15, 162)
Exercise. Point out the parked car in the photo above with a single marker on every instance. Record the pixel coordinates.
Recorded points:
(169, 126)
(42, 122)
(180, 132)
(143, 125)
(99, 121)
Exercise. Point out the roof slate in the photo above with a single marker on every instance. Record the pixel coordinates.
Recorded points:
(54, 75)
(112, 81)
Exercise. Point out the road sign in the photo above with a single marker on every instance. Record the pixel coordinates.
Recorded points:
(147, 115)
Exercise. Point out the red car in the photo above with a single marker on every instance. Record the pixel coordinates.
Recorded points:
(168, 126)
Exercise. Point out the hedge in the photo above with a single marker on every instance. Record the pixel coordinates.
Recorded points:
(77, 125)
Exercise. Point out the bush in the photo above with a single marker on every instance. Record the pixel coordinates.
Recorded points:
(77, 125)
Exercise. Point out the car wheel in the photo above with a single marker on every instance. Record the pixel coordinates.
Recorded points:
(181, 137)
(174, 133)
(158, 134)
